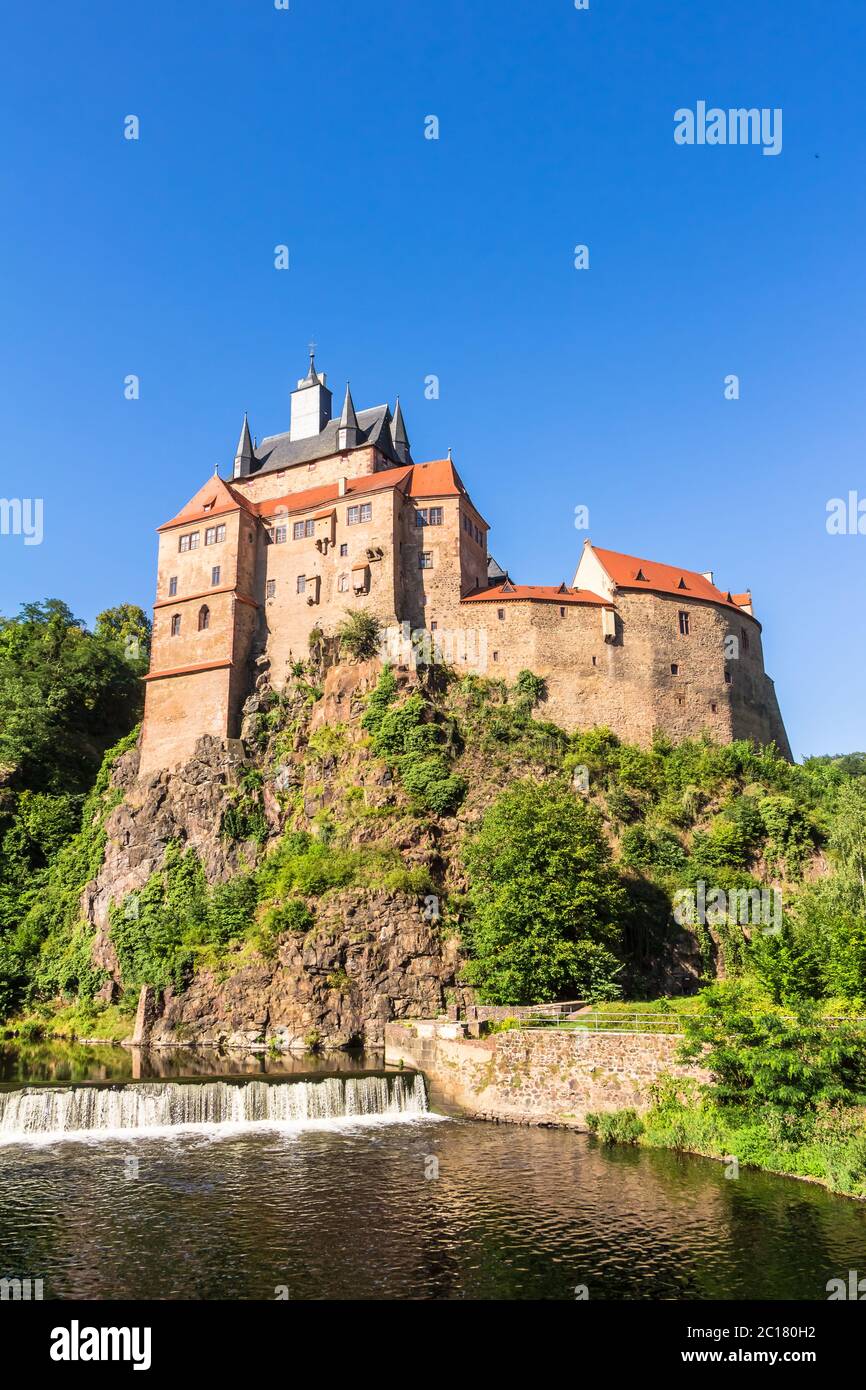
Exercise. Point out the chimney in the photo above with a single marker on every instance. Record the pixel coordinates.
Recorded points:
(311, 404)
(708, 576)
(341, 487)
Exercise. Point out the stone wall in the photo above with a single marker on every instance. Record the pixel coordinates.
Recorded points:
(537, 1076)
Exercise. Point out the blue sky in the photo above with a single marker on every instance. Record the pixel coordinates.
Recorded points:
(412, 257)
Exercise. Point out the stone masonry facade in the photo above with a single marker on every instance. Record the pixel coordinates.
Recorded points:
(538, 1076)
(334, 517)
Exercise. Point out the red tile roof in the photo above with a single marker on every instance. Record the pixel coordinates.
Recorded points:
(439, 478)
(539, 593)
(330, 492)
(630, 572)
(215, 498)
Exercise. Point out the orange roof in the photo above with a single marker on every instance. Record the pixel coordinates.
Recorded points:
(439, 478)
(330, 492)
(215, 498)
(630, 572)
(540, 593)
(741, 600)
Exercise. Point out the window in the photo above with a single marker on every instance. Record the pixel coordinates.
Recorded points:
(421, 516)
(270, 588)
(425, 560)
(433, 627)
(495, 656)
(429, 516)
(280, 533)
(215, 576)
(175, 625)
(436, 516)
(684, 624)
(727, 678)
(745, 636)
(562, 612)
(595, 661)
(343, 584)
(500, 613)
(363, 512)
(713, 706)
(681, 699)
(188, 542)
(203, 618)
(172, 586)
(302, 584)
(344, 549)
(675, 670)
(302, 529)
(214, 534)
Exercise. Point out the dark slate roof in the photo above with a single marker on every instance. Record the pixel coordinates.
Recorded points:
(495, 573)
(278, 450)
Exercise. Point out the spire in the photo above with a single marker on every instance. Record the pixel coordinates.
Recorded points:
(348, 431)
(244, 453)
(312, 377)
(399, 435)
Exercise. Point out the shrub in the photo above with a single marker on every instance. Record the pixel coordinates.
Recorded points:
(359, 634)
(619, 1127)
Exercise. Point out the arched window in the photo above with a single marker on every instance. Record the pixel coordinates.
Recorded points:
(203, 617)
(175, 625)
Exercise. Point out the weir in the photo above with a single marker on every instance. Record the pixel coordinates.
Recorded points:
(58, 1111)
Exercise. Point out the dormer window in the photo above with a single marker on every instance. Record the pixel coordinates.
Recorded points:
(682, 584)
(642, 577)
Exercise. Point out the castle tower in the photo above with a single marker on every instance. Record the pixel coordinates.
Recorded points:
(311, 404)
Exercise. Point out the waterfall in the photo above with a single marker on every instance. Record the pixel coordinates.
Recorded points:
(59, 1111)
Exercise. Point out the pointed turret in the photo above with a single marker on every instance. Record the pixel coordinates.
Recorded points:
(244, 454)
(399, 435)
(348, 432)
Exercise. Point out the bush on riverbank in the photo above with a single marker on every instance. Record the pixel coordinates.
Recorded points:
(787, 1092)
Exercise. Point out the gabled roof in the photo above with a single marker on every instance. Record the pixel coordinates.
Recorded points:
(539, 593)
(630, 572)
(215, 498)
(439, 478)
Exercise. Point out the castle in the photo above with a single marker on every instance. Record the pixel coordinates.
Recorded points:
(335, 516)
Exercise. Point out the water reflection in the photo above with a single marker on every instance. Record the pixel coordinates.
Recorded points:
(44, 1063)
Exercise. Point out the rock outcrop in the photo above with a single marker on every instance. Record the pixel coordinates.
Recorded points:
(372, 956)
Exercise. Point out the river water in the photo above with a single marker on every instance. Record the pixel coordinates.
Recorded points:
(247, 1187)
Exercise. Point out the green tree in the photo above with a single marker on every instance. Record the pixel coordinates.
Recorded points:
(547, 904)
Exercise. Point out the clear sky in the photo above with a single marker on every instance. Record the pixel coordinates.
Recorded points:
(411, 257)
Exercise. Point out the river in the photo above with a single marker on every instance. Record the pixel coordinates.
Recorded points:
(266, 1195)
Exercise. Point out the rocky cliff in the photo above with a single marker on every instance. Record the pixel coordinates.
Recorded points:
(372, 955)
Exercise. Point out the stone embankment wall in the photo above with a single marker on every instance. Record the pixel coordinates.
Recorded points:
(537, 1076)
